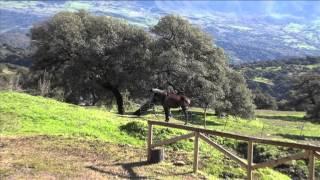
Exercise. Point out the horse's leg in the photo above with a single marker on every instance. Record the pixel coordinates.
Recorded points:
(167, 113)
(170, 114)
(184, 109)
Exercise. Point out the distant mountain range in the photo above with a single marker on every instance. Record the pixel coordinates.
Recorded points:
(248, 31)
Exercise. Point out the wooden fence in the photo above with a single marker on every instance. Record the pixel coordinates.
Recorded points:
(309, 151)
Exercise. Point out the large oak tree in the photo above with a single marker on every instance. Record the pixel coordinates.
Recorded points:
(84, 53)
(87, 54)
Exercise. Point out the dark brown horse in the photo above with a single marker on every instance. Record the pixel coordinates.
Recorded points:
(171, 100)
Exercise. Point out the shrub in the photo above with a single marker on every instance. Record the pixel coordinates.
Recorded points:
(140, 130)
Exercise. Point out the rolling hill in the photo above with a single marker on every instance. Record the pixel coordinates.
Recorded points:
(245, 35)
(276, 78)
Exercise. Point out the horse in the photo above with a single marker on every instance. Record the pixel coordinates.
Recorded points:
(171, 100)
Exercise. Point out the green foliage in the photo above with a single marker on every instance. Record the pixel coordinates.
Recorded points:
(108, 54)
(239, 96)
(269, 174)
(277, 79)
(264, 100)
(88, 56)
(314, 112)
(12, 54)
(183, 50)
(306, 90)
(139, 130)
(136, 129)
(12, 76)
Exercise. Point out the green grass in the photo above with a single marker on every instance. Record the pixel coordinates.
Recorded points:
(263, 80)
(25, 115)
(31, 115)
(313, 66)
(282, 125)
(273, 68)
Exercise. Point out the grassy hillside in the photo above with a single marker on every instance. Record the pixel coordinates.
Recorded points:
(40, 125)
(37, 116)
(14, 55)
(11, 76)
(263, 80)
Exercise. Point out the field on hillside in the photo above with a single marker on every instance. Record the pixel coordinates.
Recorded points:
(10, 76)
(38, 133)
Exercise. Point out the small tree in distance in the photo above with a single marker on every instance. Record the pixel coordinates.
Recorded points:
(307, 91)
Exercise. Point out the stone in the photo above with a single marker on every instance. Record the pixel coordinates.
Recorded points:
(179, 163)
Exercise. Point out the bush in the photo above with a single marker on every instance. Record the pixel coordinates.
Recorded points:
(140, 130)
(314, 112)
(264, 101)
(136, 129)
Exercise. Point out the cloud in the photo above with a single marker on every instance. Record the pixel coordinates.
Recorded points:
(277, 9)
(235, 9)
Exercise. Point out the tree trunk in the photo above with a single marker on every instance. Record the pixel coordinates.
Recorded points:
(95, 99)
(205, 116)
(119, 100)
(117, 95)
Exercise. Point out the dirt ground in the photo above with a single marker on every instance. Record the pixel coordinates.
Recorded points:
(43, 157)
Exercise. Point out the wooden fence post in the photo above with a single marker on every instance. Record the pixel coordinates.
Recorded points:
(250, 160)
(149, 143)
(311, 165)
(196, 152)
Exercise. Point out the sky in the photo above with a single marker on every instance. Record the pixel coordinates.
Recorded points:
(276, 9)
(306, 10)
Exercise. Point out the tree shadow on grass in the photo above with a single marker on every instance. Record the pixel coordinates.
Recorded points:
(128, 167)
(195, 118)
(100, 170)
(284, 118)
(132, 115)
(298, 137)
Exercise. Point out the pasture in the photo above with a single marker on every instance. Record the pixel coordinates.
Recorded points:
(44, 138)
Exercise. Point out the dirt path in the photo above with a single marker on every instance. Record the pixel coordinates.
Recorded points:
(43, 157)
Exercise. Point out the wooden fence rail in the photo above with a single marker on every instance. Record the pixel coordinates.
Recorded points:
(310, 151)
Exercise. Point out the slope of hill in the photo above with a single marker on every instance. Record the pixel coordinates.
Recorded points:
(11, 76)
(13, 55)
(37, 134)
(91, 138)
(101, 144)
